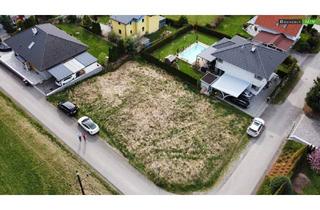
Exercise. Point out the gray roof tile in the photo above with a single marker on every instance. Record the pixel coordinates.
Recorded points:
(262, 62)
(125, 19)
(51, 46)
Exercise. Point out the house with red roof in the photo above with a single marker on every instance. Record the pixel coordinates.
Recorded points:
(273, 33)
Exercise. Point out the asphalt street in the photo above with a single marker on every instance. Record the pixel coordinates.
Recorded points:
(95, 151)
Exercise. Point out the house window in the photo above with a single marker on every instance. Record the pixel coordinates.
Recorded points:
(119, 31)
(119, 23)
(130, 22)
(256, 88)
(257, 77)
(130, 31)
(142, 28)
(142, 19)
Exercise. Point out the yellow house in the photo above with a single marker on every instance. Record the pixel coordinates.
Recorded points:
(134, 25)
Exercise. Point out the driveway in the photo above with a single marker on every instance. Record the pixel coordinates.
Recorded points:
(245, 174)
(100, 155)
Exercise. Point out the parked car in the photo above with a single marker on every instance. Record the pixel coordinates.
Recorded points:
(68, 108)
(66, 80)
(88, 125)
(238, 101)
(255, 127)
(247, 94)
(242, 97)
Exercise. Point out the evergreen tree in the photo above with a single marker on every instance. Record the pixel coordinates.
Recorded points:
(7, 23)
(313, 96)
(86, 21)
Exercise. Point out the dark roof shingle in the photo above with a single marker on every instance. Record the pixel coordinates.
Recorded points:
(51, 46)
(262, 61)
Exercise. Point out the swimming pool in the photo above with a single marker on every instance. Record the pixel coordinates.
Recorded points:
(190, 53)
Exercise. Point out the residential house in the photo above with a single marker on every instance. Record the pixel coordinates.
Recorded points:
(235, 65)
(135, 26)
(45, 53)
(272, 32)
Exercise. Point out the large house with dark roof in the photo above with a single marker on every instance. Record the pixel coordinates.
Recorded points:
(135, 26)
(272, 32)
(48, 53)
(238, 65)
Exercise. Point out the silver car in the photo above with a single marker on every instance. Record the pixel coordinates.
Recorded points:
(88, 125)
(256, 127)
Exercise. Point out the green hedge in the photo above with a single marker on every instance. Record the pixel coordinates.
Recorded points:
(211, 32)
(162, 42)
(170, 69)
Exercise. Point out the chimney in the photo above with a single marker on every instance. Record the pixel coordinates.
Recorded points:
(253, 48)
(34, 31)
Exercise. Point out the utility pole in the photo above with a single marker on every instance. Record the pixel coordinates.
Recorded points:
(80, 183)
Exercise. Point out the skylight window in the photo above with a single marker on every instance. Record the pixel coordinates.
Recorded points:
(30, 45)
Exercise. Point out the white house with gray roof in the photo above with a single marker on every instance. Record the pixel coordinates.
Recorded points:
(45, 55)
(240, 65)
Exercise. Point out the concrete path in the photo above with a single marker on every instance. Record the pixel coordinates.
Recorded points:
(101, 156)
(247, 173)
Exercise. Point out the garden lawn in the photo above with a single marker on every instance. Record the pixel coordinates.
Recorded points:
(32, 162)
(95, 43)
(180, 139)
(187, 69)
(182, 42)
(232, 25)
(158, 34)
(196, 19)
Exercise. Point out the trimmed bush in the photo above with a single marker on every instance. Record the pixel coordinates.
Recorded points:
(211, 32)
(313, 96)
(281, 185)
(309, 41)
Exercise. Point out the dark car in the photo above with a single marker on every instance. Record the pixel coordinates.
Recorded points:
(238, 101)
(4, 48)
(68, 108)
(242, 97)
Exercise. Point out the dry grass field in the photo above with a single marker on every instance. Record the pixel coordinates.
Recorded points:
(179, 138)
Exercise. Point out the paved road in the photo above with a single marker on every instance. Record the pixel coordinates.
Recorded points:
(101, 156)
(248, 172)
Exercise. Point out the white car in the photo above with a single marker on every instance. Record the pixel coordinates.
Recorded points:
(66, 80)
(88, 125)
(256, 127)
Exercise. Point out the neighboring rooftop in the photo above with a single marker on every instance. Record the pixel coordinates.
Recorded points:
(45, 46)
(126, 19)
(307, 130)
(250, 56)
(272, 22)
(277, 40)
